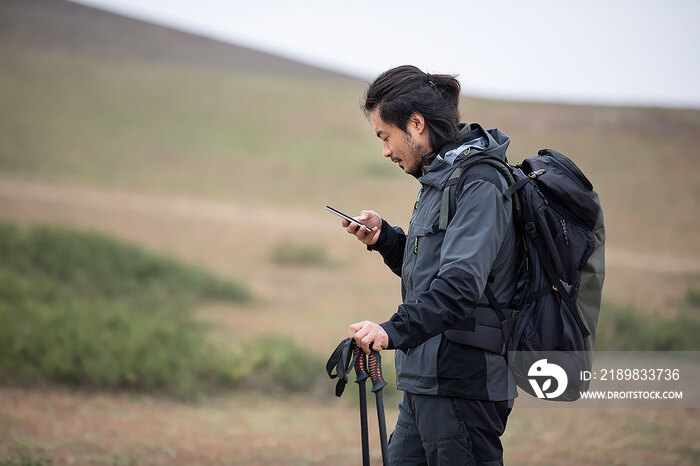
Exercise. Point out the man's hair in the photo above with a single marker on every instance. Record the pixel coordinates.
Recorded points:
(404, 90)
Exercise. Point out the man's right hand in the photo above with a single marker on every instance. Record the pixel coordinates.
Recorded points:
(369, 218)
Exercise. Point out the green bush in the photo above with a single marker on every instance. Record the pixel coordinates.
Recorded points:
(692, 298)
(85, 310)
(276, 364)
(88, 265)
(289, 253)
(624, 328)
(26, 460)
(110, 347)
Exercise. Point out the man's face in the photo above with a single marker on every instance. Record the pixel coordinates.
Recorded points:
(403, 148)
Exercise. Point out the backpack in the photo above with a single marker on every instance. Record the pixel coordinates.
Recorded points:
(561, 241)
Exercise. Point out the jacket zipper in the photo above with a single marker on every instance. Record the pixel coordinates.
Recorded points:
(408, 245)
(406, 255)
(415, 261)
(420, 193)
(408, 237)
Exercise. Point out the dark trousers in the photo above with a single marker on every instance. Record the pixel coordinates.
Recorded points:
(443, 431)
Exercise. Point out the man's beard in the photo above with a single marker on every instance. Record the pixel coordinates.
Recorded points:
(416, 152)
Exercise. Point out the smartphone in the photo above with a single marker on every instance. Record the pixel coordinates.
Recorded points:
(347, 217)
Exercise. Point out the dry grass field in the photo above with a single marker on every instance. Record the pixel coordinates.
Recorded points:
(221, 160)
(313, 304)
(245, 429)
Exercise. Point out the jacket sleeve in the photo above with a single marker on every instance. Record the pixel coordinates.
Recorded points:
(472, 241)
(390, 245)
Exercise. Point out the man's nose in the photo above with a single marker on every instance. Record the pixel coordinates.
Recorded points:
(386, 152)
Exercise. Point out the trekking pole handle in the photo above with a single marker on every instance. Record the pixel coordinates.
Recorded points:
(375, 371)
(360, 363)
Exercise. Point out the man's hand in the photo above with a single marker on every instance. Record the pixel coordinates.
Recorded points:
(369, 218)
(368, 336)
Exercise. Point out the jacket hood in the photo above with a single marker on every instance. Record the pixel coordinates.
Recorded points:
(475, 143)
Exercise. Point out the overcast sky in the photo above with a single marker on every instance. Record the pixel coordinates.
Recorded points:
(619, 52)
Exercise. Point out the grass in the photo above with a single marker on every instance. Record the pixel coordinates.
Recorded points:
(625, 328)
(292, 253)
(84, 310)
(58, 263)
(692, 298)
(276, 364)
(26, 460)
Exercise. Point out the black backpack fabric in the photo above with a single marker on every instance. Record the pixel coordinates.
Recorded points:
(561, 236)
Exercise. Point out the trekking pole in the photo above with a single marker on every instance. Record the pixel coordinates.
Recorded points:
(361, 375)
(375, 372)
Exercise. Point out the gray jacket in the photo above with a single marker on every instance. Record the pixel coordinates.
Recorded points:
(444, 273)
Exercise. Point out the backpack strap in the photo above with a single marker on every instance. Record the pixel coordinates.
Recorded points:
(448, 196)
(448, 206)
(494, 303)
(557, 284)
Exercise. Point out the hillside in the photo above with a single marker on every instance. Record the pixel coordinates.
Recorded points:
(67, 27)
(91, 98)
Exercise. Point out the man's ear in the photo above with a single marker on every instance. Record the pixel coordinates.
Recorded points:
(417, 122)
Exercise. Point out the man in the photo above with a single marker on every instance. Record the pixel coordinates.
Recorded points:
(457, 397)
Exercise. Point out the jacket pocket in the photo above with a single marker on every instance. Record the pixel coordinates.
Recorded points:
(423, 254)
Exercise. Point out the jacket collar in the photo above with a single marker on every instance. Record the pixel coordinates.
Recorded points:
(439, 165)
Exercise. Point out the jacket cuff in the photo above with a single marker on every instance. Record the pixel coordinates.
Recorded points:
(391, 331)
(383, 237)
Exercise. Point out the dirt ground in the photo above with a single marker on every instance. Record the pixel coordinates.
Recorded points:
(315, 305)
(78, 428)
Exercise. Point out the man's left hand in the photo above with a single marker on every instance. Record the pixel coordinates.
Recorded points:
(368, 336)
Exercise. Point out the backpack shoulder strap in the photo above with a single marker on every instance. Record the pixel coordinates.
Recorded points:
(448, 196)
(456, 179)
(449, 205)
